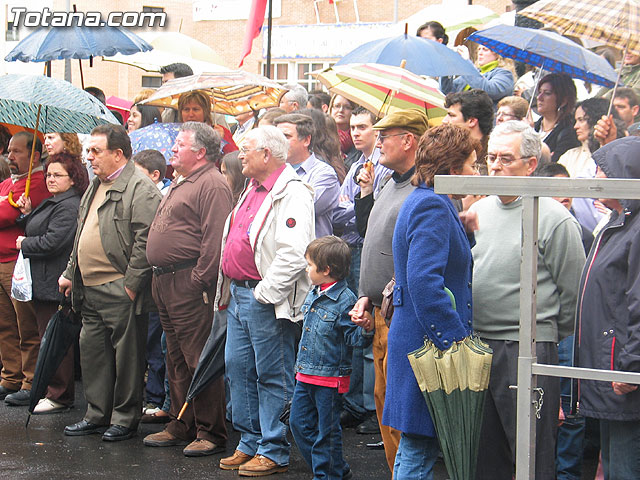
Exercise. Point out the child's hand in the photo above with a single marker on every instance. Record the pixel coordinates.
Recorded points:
(366, 321)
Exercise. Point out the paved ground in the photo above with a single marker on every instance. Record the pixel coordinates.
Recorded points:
(42, 452)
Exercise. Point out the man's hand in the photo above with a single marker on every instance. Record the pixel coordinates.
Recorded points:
(19, 241)
(64, 286)
(469, 221)
(620, 388)
(362, 305)
(131, 293)
(366, 182)
(24, 203)
(605, 130)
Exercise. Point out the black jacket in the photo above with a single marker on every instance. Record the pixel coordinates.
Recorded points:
(49, 230)
(561, 138)
(608, 314)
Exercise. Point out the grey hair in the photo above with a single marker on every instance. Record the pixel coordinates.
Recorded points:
(204, 137)
(297, 93)
(272, 138)
(530, 141)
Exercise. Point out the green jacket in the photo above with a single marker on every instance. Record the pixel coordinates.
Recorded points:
(630, 77)
(124, 218)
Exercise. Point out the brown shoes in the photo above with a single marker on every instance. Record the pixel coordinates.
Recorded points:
(260, 466)
(234, 461)
(162, 439)
(201, 448)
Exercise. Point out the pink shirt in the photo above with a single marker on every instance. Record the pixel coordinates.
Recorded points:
(341, 383)
(238, 261)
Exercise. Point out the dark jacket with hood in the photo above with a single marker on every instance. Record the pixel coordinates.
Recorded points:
(608, 313)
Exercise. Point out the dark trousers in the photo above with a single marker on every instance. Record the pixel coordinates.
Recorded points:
(154, 391)
(496, 455)
(112, 355)
(61, 386)
(186, 321)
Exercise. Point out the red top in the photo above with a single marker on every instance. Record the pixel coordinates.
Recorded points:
(238, 261)
(341, 383)
(9, 231)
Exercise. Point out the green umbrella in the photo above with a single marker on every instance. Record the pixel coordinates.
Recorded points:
(454, 383)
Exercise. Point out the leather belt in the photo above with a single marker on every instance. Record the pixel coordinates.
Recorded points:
(175, 267)
(246, 283)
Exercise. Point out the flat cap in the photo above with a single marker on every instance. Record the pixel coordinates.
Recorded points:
(412, 120)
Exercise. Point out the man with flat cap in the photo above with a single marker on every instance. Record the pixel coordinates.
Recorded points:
(398, 138)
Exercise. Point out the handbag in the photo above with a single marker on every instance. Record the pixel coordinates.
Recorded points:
(21, 286)
(386, 307)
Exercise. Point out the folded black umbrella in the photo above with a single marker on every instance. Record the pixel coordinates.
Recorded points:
(211, 362)
(62, 331)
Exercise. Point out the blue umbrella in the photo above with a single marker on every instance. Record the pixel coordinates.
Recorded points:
(547, 50)
(59, 43)
(423, 56)
(157, 136)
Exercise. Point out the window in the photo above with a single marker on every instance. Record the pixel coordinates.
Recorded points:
(296, 72)
(151, 82)
(153, 9)
(12, 32)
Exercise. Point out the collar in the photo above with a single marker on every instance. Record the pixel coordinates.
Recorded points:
(334, 292)
(488, 67)
(374, 158)
(195, 173)
(404, 177)
(326, 286)
(270, 181)
(116, 174)
(15, 178)
(307, 165)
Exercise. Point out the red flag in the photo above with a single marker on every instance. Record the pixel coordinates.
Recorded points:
(254, 23)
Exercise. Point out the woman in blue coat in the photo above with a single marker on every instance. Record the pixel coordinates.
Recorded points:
(431, 251)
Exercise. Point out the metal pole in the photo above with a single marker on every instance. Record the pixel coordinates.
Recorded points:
(269, 24)
(525, 418)
(67, 61)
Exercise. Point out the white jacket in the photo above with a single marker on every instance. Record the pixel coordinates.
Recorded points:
(279, 235)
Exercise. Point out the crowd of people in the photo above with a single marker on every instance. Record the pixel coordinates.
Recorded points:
(288, 228)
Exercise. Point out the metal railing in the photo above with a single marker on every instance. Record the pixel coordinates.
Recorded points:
(531, 189)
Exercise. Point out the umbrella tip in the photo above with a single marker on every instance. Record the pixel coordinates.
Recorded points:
(403, 63)
(406, 29)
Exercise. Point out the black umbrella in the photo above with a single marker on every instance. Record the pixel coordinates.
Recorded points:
(211, 362)
(62, 331)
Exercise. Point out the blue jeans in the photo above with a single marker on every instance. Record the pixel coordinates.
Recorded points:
(259, 358)
(415, 458)
(315, 425)
(166, 406)
(155, 360)
(570, 442)
(620, 448)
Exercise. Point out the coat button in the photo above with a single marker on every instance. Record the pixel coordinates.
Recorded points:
(445, 342)
(304, 348)
(605, 333)
(308, 329)
(469, 305)
(611, 332)
(469, 284)
(313, 309)
(438, 334)
(468, 322)
(433, 327)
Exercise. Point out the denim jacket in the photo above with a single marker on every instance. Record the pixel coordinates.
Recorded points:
(328, 334)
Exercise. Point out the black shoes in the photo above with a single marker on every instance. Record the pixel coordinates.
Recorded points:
(369, 426)
(4, 391)
(18, 399)
(83, 428)
(115, 433)
(348, 419)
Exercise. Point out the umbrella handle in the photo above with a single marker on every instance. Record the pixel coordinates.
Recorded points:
(27, 186)
(182, 410)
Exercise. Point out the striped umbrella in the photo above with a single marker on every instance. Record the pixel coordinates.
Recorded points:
(232, 93)
(384, 89)
(613, 22)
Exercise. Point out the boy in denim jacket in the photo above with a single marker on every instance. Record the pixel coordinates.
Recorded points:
(323, 364)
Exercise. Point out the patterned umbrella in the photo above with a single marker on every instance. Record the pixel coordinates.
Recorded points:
(384, 89)
(612, 22)
(157, 136)
(64, 108)
(548, 50)
(232, 93)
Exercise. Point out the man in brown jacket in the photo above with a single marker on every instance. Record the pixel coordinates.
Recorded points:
(108, 278)
(184, 249)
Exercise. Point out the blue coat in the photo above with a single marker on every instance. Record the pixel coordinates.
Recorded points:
(328, 334)
(498, 83)
(430, 251)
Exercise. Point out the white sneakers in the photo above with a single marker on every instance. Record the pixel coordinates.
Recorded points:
(46, 406)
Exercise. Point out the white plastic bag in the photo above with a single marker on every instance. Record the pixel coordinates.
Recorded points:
(21, 287)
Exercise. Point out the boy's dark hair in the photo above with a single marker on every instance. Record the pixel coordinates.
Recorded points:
(363, 111)
(151, 160)
(474, 103)
(330, 252)
(317, 98)
(98, 93)
(178, 69)
(551, 169)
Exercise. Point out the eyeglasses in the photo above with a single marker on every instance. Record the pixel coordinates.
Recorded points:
(96, 152)
(245, 150)
(381, 138)
(55, 176)
(505, 115)
(337, 106)
(505, 160)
